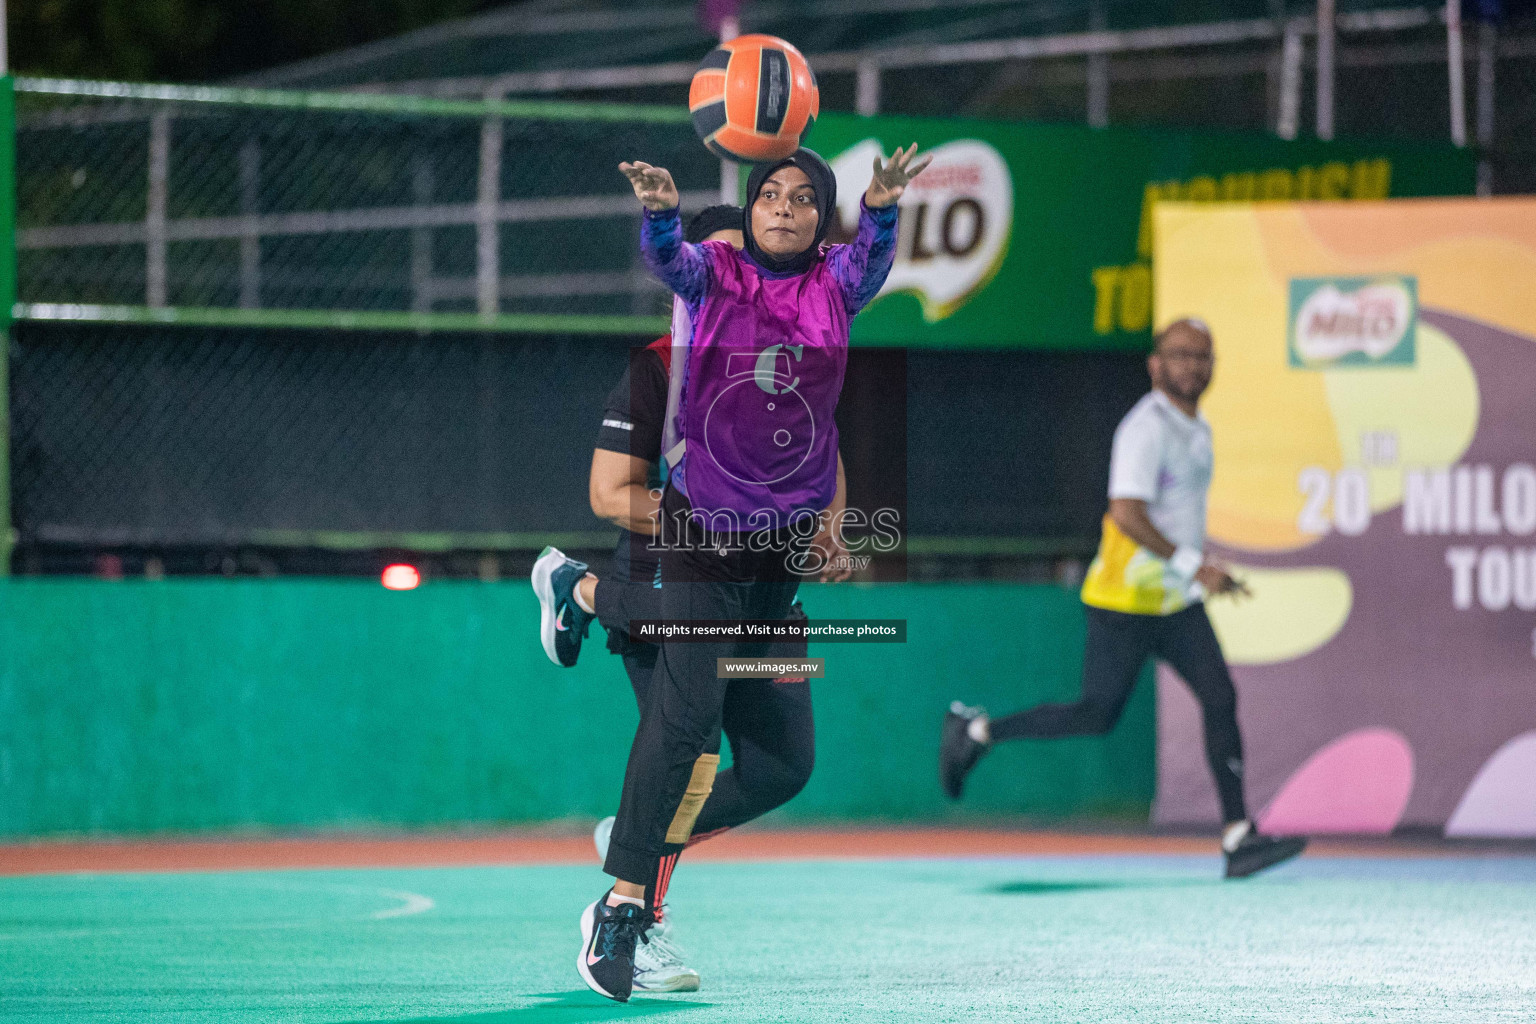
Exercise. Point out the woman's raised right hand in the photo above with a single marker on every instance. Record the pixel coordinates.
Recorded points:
(653, 185)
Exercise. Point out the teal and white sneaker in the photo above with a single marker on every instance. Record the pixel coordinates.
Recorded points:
(562, 623)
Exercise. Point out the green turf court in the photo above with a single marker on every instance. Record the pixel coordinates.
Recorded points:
(1080, 939)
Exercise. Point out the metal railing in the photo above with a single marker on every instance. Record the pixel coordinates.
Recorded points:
(870, 65)
(189, 204)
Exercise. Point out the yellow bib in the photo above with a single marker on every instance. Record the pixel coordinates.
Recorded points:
(1126, 577)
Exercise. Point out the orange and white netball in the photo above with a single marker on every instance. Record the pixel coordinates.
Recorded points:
(753, 99)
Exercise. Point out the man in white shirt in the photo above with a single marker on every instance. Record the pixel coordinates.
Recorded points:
(1145, 594)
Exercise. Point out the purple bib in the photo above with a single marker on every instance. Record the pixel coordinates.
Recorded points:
(765, 369)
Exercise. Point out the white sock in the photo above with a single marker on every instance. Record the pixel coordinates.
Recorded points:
(979, 729)
(614, 900)
(576, 593)
(1234, 834)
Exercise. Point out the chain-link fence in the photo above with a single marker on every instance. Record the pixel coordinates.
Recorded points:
(187, 259)
(148, 436)
(152, 438)
(237, 205)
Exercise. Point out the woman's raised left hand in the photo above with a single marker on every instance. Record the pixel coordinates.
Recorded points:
(891, 177)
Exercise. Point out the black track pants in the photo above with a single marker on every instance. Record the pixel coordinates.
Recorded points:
(672, 762)
(618, 603)
(1118, 645)
(772, 733)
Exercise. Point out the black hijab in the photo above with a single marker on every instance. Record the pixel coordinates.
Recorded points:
(711, 219)
(825, 184)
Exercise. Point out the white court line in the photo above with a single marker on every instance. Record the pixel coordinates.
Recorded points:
(415, 903)
(411, 903)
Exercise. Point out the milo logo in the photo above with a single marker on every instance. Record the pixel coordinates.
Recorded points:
(1352, 321)
(955, 221)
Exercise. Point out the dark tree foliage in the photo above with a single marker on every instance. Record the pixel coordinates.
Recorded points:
(203, 40)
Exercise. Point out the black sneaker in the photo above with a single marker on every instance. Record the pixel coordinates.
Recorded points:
(1256, 852)
(608, 937)
(562, 623)
(958, 753)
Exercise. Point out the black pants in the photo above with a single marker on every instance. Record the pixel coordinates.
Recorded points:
(769, 724)
(620, 602)
(1117, 647)
(772, 733)
(671, 772)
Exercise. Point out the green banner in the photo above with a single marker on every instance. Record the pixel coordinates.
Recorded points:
(1040, 236)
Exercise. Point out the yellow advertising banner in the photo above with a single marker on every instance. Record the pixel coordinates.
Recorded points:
(1374, 421)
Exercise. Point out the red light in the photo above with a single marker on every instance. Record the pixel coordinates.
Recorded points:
(401, 577)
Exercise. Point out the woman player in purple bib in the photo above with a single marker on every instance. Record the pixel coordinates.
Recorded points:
(752, 462)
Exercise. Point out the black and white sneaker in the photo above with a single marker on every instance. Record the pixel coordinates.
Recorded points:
(562, 623)
(1257, 852)
(608, 936)
(958, 752)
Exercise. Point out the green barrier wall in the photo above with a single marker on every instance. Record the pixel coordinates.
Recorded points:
(140, 707)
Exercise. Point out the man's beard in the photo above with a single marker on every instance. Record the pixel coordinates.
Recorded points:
(1191, 394)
